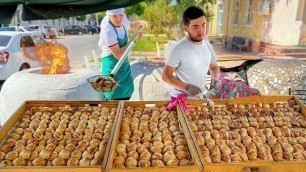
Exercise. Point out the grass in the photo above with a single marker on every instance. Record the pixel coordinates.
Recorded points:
(99, 60)
(148, 43)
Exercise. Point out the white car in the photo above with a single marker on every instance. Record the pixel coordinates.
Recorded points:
(12, 58)
(44, 30)
(21, 29)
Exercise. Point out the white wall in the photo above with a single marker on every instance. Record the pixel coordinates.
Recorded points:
(285, 24)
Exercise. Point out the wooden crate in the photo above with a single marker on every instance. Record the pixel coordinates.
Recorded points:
(18, 115)
(262, 166)
(197, 166)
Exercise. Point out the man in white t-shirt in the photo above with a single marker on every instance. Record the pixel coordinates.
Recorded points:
(189, 61)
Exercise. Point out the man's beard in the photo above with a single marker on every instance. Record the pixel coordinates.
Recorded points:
(194, 38)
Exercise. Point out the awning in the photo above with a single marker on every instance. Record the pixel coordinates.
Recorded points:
(53, 9)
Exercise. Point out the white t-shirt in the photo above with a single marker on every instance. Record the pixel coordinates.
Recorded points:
(109, 36)
(191, 62)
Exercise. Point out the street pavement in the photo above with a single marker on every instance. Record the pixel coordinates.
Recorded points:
(79, 46)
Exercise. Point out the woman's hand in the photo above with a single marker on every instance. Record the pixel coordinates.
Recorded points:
(144, 24)
(137, 24)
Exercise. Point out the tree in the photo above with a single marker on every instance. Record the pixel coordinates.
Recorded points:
(80, 18)
(137, 9)
(162, 18)
(101, 15)
(207, 6)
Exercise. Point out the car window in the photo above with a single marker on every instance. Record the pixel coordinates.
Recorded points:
(27, 41)
(68, 27)
(38, 40)
(12, 28)
(33, 27)
(4, 40)
(5, 29)
(27, 29)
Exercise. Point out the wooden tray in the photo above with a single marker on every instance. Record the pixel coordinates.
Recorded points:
(18, 115)
(197, 166)
(262, 166)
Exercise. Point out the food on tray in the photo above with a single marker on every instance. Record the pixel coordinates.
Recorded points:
(59, 136)
(249, 132)
(150, 137)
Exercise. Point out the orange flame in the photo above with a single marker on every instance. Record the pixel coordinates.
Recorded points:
(52, 56)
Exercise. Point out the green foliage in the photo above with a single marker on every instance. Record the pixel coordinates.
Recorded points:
(101, 16)
(137, 9)
(162, 18)
(80, 18)
(149, 43)
(207, 7)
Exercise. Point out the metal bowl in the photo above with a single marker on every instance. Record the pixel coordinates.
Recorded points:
(104, 83)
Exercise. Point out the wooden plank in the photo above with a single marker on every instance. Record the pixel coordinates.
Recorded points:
(188, 138)
(303, 106)
(194, 150)
(256, 166)
(191, 134)
(50, 169)
(18, 115)
(192, 168)
(10, 123)
(110, 142)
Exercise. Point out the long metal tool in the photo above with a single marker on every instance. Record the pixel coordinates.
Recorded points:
(125, 54)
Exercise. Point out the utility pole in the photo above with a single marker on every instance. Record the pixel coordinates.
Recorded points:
(97, 19)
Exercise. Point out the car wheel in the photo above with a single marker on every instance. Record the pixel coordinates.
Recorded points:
(80, 33)
(24, 66)
(60, 33)
(91, 33)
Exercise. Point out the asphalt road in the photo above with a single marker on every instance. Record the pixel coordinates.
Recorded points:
(79, 46)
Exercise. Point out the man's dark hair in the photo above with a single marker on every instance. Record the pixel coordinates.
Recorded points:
(192, 13)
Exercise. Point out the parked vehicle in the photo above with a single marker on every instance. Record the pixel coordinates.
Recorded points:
(44, 30)
(60, 32)
(12, 58)
(21, 29)
(75, 29)
(91, 30)
(98, 27)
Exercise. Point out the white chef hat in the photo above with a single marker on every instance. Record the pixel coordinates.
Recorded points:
(106, 20)
(115, 11)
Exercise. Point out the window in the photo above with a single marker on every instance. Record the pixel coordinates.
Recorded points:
(236, 12)
(249, 10)
(38, 40)
(12, 29)
(26, 41)
(4, 40)
(27, 29)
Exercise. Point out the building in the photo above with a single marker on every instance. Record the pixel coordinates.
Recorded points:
(273, 22)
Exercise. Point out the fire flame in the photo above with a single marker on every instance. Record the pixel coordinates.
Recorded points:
(51, 56)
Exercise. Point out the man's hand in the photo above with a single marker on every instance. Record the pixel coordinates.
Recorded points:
(193, 90)
(215, 84)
